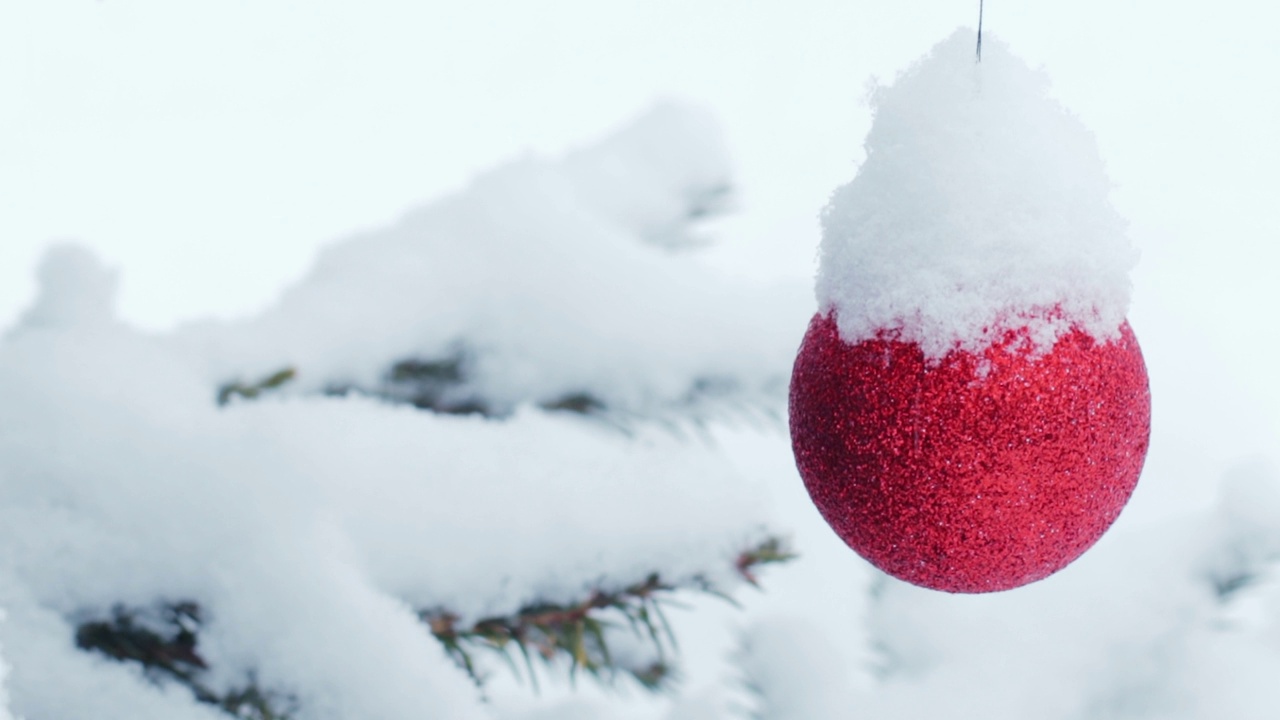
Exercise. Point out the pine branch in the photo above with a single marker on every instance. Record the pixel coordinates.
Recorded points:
(576, 632)
(164, 642)
(250, 391)
(772, 551)
(447, 385)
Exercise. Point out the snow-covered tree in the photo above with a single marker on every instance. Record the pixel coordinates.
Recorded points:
(473, 447)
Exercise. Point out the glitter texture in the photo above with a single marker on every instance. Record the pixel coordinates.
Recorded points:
(977, 473)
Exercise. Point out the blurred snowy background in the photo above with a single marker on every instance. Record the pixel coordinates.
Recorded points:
(579, 237)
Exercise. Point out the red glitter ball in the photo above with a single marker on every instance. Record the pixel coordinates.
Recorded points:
(977, 473)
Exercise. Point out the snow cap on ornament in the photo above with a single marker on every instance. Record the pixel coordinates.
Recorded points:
(969, 407)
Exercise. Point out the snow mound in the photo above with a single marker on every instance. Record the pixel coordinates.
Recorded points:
(311, 529)
(664, 169)
(982, 207)
(544, 281)
(75, 289)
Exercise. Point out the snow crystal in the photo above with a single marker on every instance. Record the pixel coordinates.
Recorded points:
(982, 206)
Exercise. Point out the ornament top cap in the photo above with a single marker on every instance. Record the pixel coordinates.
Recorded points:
(982, 207)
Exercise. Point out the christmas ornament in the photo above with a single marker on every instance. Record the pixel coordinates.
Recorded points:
(969, 408)
(983, 472)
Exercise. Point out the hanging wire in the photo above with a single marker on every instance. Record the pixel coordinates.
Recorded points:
(980, 2)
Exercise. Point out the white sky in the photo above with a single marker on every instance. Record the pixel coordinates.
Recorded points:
(207, 149)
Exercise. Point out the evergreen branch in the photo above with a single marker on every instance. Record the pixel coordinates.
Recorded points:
(249, 391)
(576, 632)
(164, 643)
(772, 551)
(164, 640)
(446, 384)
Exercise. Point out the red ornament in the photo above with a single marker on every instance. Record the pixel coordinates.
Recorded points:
(977, 473)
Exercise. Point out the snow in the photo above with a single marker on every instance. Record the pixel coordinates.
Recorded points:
(4, 670)
(54, 680)
(549, 277)
(78, 289)
(982, 206)
(666, 167)
(1137, 628)
(312, 527)
(315, 527)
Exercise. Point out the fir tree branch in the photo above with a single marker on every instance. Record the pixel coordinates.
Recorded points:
(772, 551)
(164, 642)
(576, 632)
(250, 391)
